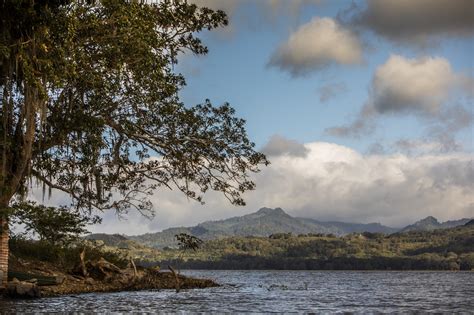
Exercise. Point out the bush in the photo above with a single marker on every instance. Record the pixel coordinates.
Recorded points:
(67, 257)
(57, 225)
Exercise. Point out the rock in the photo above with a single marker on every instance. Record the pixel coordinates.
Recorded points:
(22, 289)
(89, 281)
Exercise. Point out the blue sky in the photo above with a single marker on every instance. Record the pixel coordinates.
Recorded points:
(273, 102)
(364, 108)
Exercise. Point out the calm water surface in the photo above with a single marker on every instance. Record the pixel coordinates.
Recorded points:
(283, 291)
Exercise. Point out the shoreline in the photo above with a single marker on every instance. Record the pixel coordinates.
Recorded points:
(31, 279)
(72, 286)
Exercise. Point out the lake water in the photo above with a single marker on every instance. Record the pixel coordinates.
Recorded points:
(283, 291)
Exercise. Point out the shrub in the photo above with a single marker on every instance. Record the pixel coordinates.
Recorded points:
(66, 257)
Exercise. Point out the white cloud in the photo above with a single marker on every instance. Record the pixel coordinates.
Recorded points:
(422, 84)
(319, 43)
(334, 182)
(278, 145)
(425, 87)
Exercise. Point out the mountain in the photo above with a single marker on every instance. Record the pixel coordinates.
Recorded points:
(347, 228)
(439, 249)
(264, 222)
(431, 223)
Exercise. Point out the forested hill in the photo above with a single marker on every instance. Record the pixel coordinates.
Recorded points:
(440, 249)
(264, 222)
(268, 221)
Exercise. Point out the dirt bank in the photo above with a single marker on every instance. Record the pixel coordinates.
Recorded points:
(101, 276)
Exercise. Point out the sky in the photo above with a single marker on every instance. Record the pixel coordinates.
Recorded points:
(364, 109)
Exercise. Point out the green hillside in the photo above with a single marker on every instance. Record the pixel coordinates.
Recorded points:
(260, 225)
(441, 249)
(264, 222)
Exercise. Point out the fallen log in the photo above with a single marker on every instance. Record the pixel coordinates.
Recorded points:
(103, 270)
(41, 280)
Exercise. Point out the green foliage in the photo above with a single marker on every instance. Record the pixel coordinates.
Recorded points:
(445, 249)
(57, 225)
(278, 236)
(91, 105)
(66, 257)
(186, 242)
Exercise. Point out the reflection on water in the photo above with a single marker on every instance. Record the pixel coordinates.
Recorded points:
(283, 291)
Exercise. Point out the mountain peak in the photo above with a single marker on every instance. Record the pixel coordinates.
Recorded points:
(267, 211)
(427, 224)
(429, 219)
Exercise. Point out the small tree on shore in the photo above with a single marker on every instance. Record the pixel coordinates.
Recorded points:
(56, 225)
(90, 107)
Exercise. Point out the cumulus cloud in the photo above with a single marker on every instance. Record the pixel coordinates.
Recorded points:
(330, 91)
(418, 21)
(317, 44)
(415, 85)
(425, 87)
(419, 147)
(279, 145)
(334, 182)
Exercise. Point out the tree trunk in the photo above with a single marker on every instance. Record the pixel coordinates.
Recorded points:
(3, 252)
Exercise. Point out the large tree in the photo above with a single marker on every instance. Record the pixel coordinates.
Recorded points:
(90, 107)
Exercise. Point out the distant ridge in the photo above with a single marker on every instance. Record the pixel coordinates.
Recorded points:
(264, 222)
(267, 221)
(431, 223)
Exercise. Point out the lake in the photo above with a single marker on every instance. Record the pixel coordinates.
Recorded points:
(283, 291)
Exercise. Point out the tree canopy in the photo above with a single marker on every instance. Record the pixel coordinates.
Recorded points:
(91, 107)
(56, 225)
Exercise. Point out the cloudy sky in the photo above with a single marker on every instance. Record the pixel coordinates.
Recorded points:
(364, 108)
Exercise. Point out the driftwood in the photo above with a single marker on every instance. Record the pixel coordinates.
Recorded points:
(176, 277)
(83, 268)
(41, 280)
(135, 273)
(103, 270)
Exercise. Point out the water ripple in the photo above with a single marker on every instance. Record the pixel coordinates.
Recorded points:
(282, 292)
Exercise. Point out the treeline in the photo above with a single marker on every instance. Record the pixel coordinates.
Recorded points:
(242, 262)
(448, 249)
